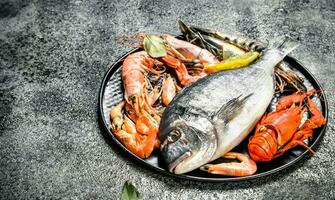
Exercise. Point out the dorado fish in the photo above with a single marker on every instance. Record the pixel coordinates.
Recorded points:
(210, 117)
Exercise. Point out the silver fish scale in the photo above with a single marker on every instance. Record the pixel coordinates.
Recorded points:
(113, 93)
(215, 94)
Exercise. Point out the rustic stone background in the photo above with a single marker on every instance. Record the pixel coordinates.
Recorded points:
(53, 56)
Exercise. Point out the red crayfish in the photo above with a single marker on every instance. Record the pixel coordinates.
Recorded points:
(280, 130)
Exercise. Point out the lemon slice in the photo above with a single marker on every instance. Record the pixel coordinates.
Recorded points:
(233, 62)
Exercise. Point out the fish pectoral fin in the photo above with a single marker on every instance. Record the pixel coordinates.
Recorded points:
(229, 110)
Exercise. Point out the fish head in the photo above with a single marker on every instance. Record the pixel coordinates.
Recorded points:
(185, 148)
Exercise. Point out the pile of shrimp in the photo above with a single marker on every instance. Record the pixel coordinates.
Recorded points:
(150, 84)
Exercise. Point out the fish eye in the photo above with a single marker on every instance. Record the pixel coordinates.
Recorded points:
(174, 136)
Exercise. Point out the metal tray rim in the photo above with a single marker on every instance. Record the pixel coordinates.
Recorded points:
(305, 71)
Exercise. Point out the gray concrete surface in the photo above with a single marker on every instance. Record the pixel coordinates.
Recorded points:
(53, 56)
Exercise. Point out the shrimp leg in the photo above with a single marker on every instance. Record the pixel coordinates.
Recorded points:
(169, 90)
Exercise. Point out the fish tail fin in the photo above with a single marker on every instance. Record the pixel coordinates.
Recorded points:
(285, 45)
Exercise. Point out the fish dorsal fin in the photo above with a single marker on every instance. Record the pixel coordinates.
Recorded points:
(230, 109)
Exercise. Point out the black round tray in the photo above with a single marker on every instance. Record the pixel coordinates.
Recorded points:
(111, 92)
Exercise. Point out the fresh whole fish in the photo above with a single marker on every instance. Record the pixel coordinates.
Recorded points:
(216, 41)
(238, 40)
(210, 117)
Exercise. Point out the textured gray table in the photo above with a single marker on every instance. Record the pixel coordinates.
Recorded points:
(53, 56)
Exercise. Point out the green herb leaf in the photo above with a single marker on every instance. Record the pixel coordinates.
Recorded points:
(129, 192)
(154, 46)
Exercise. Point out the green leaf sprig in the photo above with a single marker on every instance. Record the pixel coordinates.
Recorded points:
(154, 46)
(129, 192)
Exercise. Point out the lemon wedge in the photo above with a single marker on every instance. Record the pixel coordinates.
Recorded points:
(235, 62)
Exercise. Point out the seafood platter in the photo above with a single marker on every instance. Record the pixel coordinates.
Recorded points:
(212, 106)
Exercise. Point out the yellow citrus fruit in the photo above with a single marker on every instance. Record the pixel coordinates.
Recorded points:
(235, 62)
